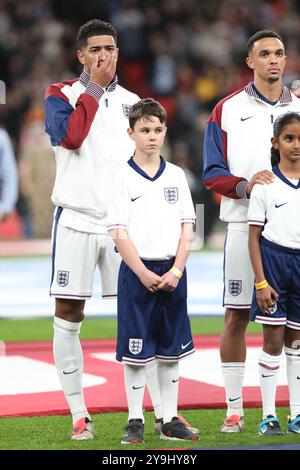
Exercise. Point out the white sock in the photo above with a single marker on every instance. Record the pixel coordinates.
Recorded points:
(293, 377)
(233, 376)
(268, 374)
(168, 378)
(68, 358)
(135, 379)
(153, 388)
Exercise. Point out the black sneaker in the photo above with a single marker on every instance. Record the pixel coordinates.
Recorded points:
(158, 422)
(133, 432)
(270, 427)
(176, 430)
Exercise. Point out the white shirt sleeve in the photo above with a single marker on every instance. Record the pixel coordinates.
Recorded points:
(187, 211)
(257, 206)
(118, 207)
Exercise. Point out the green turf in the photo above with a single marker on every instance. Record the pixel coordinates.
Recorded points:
(53, 432)
(95, 328)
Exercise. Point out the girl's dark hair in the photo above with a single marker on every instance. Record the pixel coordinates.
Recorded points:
(282, 121)
(94, 28)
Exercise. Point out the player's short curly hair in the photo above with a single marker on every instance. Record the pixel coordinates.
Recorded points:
(94, 28)
(146, 108)
(265, 33)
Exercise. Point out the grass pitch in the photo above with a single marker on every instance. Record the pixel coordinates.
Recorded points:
(41, 329)
(53, 432)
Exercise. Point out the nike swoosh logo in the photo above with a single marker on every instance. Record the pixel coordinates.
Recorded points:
(135, 198)
(175, 380)
(234, 399)
(246, 118)
(279, 205)
(137, 388)
(183, 346)
(268, 375)
(72, 372)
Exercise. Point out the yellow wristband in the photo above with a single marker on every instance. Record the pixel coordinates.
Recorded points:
(176, 272)
(261, 285)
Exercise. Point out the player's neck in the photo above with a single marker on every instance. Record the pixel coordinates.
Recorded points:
(290, 169)
(271, 91)
(149, 163)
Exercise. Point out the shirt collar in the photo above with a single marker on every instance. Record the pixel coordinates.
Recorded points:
(285, 96)
(162, 166)
(85, 78)
(283, 178)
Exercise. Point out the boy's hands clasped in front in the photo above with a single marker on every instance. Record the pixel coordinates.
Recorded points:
(150, 280)
(167, 282)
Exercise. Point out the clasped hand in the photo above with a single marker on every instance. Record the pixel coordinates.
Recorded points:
(168, 282)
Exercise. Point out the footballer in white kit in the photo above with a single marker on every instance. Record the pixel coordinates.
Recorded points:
(85, 164)
(236, 156)
(87, 120)
(243, 117)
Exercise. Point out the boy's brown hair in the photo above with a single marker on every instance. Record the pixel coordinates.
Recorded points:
(146, 108)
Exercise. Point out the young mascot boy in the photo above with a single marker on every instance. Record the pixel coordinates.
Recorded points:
(151, 220)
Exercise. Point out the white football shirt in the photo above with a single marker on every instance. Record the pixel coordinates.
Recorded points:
(276, 206)
(151, 210)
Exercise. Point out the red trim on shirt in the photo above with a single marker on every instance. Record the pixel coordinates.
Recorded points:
(216, 115)
(80, 121)
(225, 185)
(55, 89)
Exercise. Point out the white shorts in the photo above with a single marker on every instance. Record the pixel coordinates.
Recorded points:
(238, 272)
(74, 260)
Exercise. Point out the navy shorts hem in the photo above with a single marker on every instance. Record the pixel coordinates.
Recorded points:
(162, 358)
(293, 325)
(134, 362)
(268, 320)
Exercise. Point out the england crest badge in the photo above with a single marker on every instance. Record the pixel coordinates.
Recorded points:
(235, 287)
(126, 109)
(62, 278)
(135, 345)
(171, 195)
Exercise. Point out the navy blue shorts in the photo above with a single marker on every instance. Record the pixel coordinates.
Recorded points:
(282, 270)
(152, 325)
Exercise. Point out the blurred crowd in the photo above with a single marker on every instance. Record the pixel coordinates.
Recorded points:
(188, 54)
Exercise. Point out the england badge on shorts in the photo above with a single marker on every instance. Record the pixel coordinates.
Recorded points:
(171, 195)
(126, 109)
(62, 278)
(235, 287)
(135, 345)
